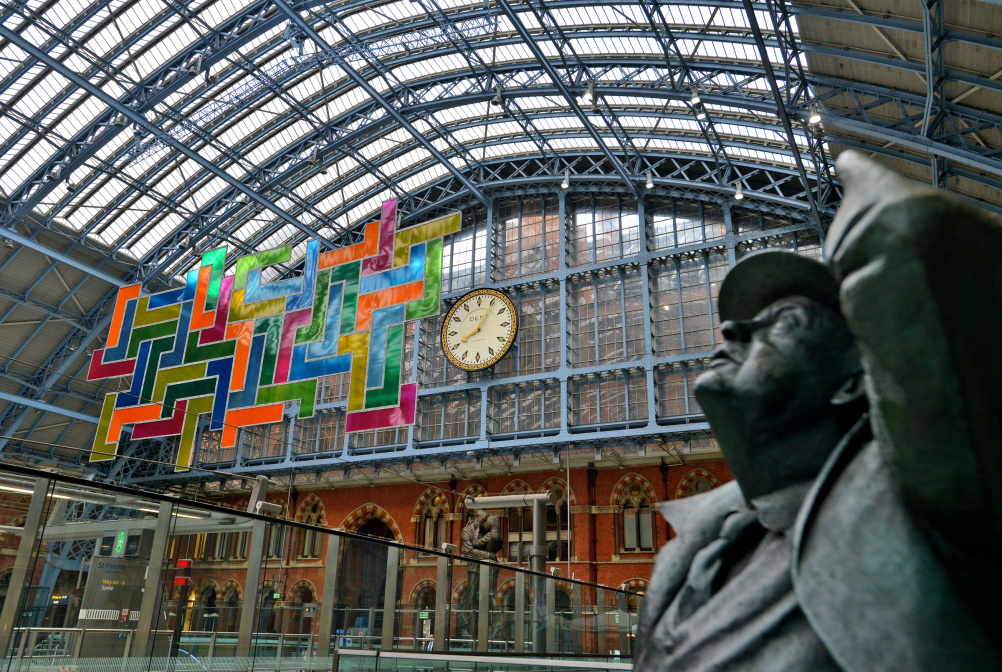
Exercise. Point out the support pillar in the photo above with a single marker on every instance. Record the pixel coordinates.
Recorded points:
(538, 555)
(251, 593)
(329, 600)
(152, 588)
(390, 597)
(19, 577)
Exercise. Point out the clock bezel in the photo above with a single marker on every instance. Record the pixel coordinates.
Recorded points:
(483, 291)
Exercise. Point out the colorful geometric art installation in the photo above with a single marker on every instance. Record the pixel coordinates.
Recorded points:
(237, 348)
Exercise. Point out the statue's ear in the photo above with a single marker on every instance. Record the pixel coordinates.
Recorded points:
(852, 390)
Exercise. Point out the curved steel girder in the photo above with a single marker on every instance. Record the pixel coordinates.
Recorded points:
(166, 84)
(723, 100)
(294, 173)
(655, 93)
(673, 169)
(360, 135)
(241, 29)
(141, 121)
(949, 35)
(363, 114)
(898, 64)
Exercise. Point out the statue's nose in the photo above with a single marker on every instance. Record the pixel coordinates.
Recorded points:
(736, 331)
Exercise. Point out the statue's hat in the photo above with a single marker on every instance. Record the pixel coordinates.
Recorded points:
(762, 278)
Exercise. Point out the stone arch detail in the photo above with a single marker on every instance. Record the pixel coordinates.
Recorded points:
(305, 506)
(458, 591)
(693, 475)
(633, 584)
(516, 486)
(223, 589)
(300, 584)
(474, 490)
(367, 512)
(556, 481)
(625, 482)
(427, 497)
(420, 586)
(208, 583)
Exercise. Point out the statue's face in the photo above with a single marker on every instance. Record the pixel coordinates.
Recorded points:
(771, 360)
(774, 377)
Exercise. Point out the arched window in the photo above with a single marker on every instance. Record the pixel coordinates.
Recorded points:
(558, 537)
(636, 520)
(309, 540)
(229, 616)
(519, 534)
(433, 523)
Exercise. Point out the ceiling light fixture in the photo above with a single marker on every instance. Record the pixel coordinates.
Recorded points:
(695, 99)
(567, 180)
(650, 180)
(8, 243)
(496, 100)
(738, 196)
(589, 94)
(815, 116)
(700, 113)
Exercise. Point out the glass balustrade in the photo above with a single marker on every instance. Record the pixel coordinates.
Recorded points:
(99, 578)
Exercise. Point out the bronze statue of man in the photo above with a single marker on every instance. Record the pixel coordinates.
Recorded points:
(858, 406)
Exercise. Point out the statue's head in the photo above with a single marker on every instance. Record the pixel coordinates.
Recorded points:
(786, 384)
(482, 518)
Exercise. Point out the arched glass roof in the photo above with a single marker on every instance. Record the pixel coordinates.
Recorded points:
(135, 134)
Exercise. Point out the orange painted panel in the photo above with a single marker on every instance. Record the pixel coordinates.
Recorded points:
(125, 294)
(390, 296)
(253, 415)
(129, 415)
(244, 333)
(368, 247)
(199, 318)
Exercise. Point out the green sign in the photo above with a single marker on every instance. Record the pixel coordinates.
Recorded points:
(120, 542)
(617, 618)
(277, 595)
(424, 614)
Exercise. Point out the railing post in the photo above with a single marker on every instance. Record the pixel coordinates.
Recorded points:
(254, 555)
(128, 649)
(483, 607)
(390, 597)
(577, 620)
(78, 645)
(519, 612)
(22, 564)
(329, 599)
(600, 624)
(442, 600)
(551, 615)
(151, 589)
(623, 616)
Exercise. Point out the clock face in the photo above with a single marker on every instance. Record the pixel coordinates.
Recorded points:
(479, 329)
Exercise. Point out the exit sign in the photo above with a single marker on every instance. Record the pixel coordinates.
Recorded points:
(424, 614)
(120, 542)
